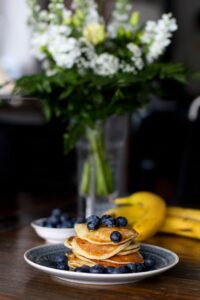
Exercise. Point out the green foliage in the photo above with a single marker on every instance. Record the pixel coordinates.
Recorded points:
(78, 101)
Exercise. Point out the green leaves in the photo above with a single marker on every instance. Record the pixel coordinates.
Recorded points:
(70, 96)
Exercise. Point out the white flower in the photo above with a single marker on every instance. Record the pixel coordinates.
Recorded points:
(66, 14)
(157, 35)
(120, 19)
(38, 42)
(65, 51)
(127, 68)
(136, 55)
(55, 30)
(105, 64)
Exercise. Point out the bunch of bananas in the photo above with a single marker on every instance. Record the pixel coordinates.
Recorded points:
(148, 214)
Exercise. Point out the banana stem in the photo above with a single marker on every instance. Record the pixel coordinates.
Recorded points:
(97, 165)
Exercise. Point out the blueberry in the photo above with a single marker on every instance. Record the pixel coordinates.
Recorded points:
(54, 220)
(67, 224)
(110, 222)
(64, 217)
(92, 226)
(111, 270)
(132, 267)
(149, 262)
(116, 271)
(123, 270)
(83, 269)
(44, 223)
(60, 258)
(94, 219)
(56, 212)
(121, 221)
(115, 237)
(59, 225)
(97, 269)
(139, 267)
(62, 266)
(50, 225)
(104, 218)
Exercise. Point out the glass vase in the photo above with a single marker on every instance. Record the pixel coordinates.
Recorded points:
(101, 156)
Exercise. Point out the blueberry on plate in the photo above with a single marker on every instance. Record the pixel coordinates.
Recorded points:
(132, 267)
(111, 270)
(83, 269)
(60, 258)
(56, 212)
(123, 270)
(116, 271)
(121, 221)
(97, 269)
(116, 237)
(149, 262)
(62, 266)
(140, 267)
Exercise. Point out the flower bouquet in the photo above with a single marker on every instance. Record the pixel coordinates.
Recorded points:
(94, 68)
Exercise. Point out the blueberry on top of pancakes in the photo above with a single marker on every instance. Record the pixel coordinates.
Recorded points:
(116, 237)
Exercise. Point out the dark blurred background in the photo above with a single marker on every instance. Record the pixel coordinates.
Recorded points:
(163, 147)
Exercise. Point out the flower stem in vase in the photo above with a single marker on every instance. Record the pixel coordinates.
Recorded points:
(96, 178)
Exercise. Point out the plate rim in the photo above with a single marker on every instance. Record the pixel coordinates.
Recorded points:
(77, 275)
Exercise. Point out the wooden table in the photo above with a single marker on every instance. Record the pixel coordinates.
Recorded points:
(20, 281)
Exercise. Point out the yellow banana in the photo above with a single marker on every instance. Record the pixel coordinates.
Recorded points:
(184, 212)
(145, 211)
(182, 221)
(182, 226)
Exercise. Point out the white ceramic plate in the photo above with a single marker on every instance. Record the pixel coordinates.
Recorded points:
(52, 235)
(42, 258)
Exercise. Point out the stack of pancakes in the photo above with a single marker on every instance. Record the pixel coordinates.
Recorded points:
(95, 247)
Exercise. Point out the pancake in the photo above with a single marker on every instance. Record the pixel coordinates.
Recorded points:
(128, 252)
(116, 259)
(68, 242)
(102, 234)
(94, 251)
(74, 262)
(126, 259)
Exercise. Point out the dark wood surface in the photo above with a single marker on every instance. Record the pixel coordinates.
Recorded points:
(20, 281)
